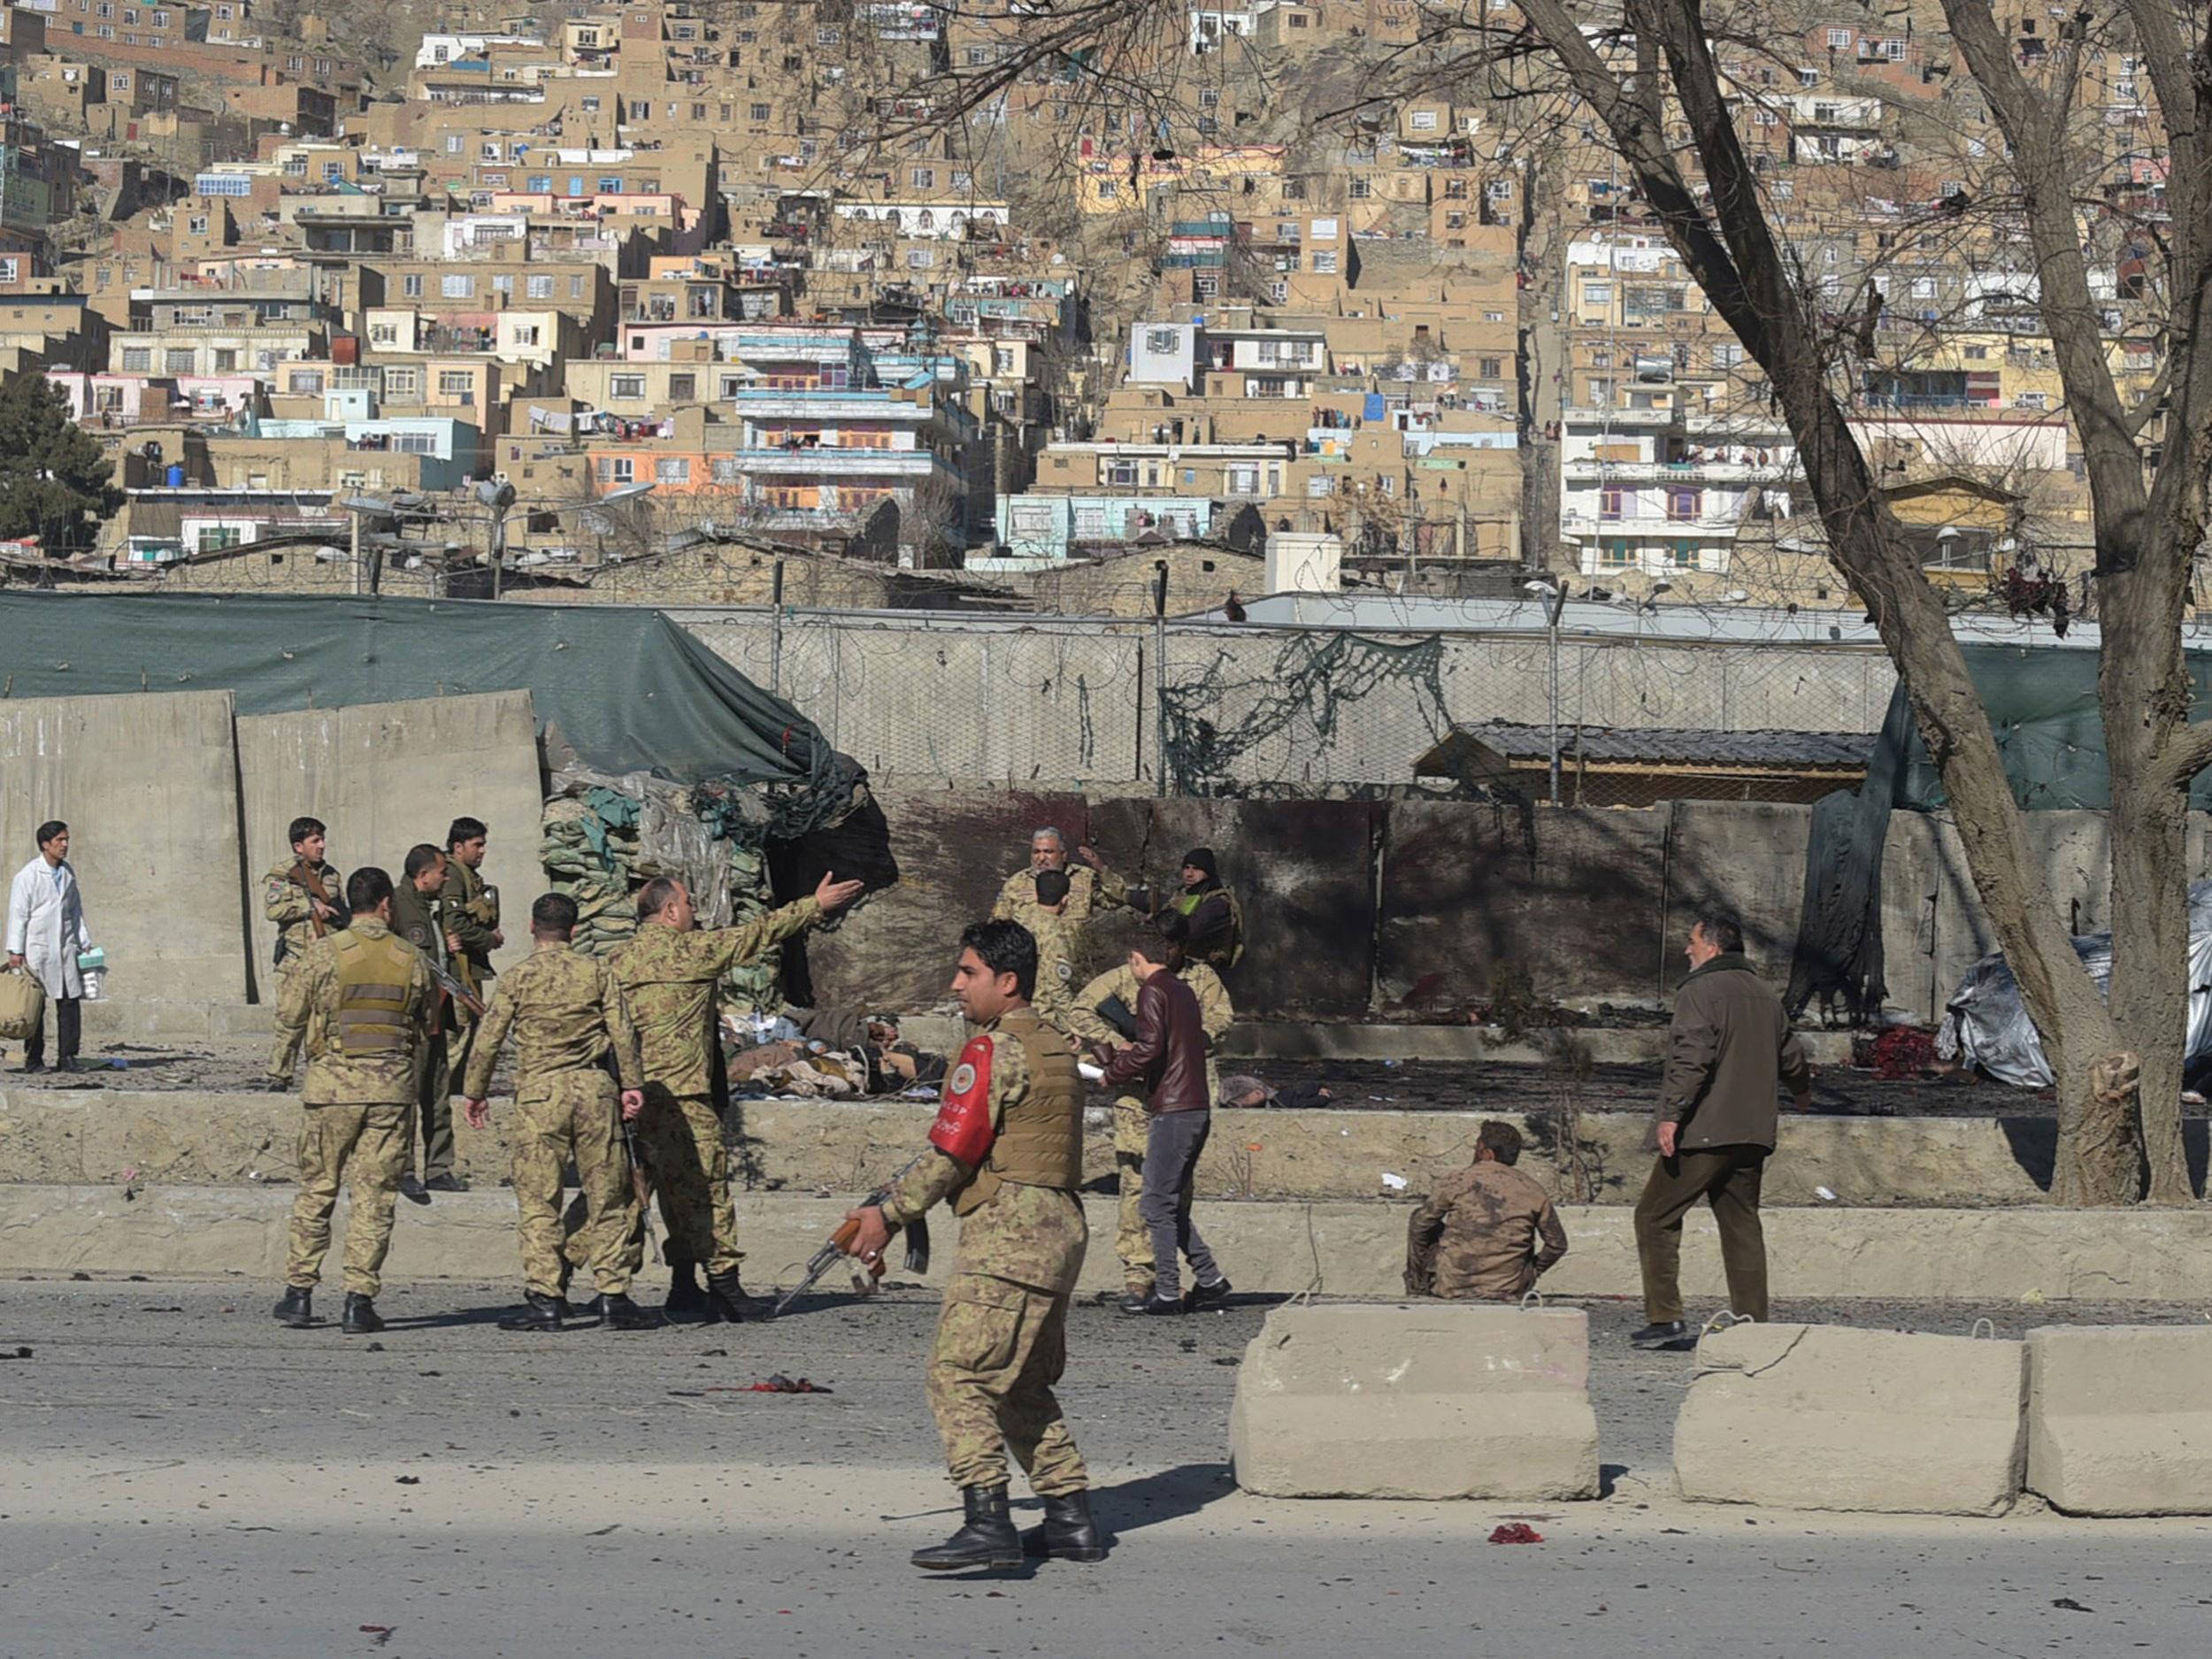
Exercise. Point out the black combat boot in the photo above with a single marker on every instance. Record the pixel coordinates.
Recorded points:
(987, 1542)
(687, 1304)
(1068, 1532)
(1157, 1303)
(1209, 1296)
(361, 1317)
(297, 1310)
(538, 1313)
(617, 1312)
(412, 1190)
(728, 1299)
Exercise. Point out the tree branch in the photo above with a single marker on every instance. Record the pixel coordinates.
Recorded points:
(2140, 416)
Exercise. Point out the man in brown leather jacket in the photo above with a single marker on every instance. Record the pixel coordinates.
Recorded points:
(1170, 1055)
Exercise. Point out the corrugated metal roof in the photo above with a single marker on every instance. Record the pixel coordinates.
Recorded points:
(1660, 745)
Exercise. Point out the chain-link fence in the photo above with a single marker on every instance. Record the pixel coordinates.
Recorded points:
(923, 700)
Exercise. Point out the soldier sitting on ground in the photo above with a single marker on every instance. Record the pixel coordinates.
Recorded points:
(1488, 1233)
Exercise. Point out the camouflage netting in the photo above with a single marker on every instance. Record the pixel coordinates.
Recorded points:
(603, 838)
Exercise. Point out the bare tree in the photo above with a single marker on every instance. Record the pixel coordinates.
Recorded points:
(2118, 1067)
(1650, 75)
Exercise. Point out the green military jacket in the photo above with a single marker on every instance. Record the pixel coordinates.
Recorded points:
(670, 982)
(567, 1015)
(469, 910)
(308, 1008)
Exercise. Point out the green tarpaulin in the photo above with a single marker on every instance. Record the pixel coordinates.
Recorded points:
(2042, 701)
(627, 688)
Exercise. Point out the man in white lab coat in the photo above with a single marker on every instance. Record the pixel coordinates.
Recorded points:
(46, 932)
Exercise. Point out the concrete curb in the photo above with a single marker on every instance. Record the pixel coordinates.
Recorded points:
(1273, 1248)
(1423, 1399)
(2120, 1419)
(1810, 1416)
(91, 1136)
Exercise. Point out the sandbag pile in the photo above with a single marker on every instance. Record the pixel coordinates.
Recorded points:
(603, 838)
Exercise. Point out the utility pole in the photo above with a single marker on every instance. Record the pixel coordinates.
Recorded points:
(1159, 674)
(1558, 609)
(775, 630)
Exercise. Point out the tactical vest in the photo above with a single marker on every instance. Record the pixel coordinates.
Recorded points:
(1041, 1135)
(376, 980)
(1222, 956)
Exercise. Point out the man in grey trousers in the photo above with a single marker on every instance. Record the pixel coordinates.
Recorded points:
(1169, 1054)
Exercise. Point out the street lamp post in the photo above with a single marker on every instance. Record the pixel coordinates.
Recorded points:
(501, 510)
(1555, 598)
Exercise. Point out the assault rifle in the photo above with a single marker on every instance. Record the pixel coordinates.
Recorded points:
(450, 984)
(307, 877)
(840, 1243)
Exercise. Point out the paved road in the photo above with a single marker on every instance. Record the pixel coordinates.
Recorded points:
(180, 1475)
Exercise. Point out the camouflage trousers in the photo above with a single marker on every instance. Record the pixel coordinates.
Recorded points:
(1132, 1239)
(286, 1055)
(369, 1142)
(687, 1164)
(1000, 1347)
(580, 1119)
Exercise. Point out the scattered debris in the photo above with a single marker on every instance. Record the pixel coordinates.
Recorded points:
(409, 1480)
(1900, 1054)
(1517, 1533)
(779, 1384)
(20, 1353)
(2069, 1604)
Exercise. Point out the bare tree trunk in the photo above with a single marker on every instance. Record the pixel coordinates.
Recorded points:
(1735, 258)
(2144, 687)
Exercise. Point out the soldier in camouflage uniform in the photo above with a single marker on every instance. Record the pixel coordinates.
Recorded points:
(1047, 924)
(670, 976)
(363, 1002)
(301, 919)
(1007, 1149)
(1488, 1232)
(570, 1022)
(1090, 888)
(1105, 1012)
(468, 911)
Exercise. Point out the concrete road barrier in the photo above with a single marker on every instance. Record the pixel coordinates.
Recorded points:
(2120, 1419)
(1431, 1400)
(1806, 1417)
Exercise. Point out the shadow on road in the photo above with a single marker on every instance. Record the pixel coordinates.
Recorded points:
(1166, 1496)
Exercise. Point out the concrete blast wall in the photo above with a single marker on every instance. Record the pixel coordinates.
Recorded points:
(1409, 907)
(1075, 702)
(384, 776)
(149, 787)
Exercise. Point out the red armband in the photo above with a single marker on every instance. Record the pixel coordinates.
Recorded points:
(963, 1128)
